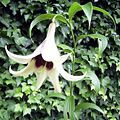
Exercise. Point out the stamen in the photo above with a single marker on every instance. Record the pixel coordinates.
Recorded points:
(39, 61)
(49, 65)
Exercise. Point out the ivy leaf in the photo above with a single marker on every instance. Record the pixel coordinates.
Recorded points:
(87, 105)
(4, 41)
(18, 108)
(5, 2)
(22, 41)
(26, 111)
(25, 88)
(18, 92)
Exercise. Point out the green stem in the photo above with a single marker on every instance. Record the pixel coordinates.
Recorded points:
(73, 37)
(71, 89)
(73, 62)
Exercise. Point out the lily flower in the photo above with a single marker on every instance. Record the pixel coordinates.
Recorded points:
(45, 61)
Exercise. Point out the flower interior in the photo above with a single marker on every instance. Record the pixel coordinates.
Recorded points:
(39, 61)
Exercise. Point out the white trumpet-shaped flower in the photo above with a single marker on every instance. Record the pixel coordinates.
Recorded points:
(45, 61)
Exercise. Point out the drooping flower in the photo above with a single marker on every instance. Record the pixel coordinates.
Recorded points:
(45, 61)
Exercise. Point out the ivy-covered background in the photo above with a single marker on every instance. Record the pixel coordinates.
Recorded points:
(19, 100)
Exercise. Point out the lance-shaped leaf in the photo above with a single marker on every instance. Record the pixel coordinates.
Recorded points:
(43, 17)
(95, 80)
(87, 105)
(105, 13)
(88, 10)
(5, 2)
(102, 41)
(69, 108)
(76, 7)
(65, 48)
(39, 19)
(56, 95)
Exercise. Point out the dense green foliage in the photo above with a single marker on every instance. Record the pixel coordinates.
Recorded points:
(18, 98)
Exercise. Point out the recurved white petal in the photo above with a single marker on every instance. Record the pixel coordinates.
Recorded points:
(68, 76)
(25, 71)
(60, 60)
(24, 59)
(41, 76)
(54, 78)
(63, 58)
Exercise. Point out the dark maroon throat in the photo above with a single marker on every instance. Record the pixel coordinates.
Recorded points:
(39, 61)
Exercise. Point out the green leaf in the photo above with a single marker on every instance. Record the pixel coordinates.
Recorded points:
(88, 10)
(65, 47)
(5, 2)
(33, 99)
(18, 92)
(57, 95)
(3, 42)
(86, 105)
(2, 55)
(104, 12)
(26, 111)
(102, 41)
(22, 41)
(4, 114)
(75, 7)
(43, 17)
(18, 108)
(94, 78)
(39, 19)
(62, 19)
(25, 88)
(69, 108)
(10, 105)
